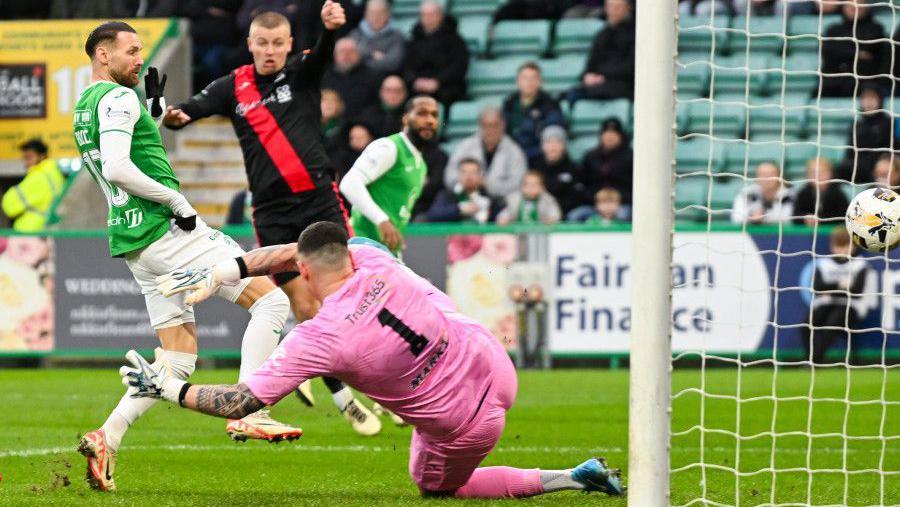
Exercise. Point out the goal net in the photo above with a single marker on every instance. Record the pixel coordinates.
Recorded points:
(784, 386)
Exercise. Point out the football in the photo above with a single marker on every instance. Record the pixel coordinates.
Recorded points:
(873, 219)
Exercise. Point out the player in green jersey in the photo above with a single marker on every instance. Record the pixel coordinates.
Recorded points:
(154, 228)
(387, 178)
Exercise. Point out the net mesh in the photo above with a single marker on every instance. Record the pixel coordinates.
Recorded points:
(760, 415)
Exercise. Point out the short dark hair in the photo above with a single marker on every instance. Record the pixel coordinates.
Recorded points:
(411, 102)
(322, 237)
(35, 145)
(270, 19)
(470, 160)
(529, 65)
(106, 32)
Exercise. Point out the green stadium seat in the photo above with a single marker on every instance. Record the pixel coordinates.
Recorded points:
(693, 79)
(699, 154)
(742, 158)
(698, 33)
(471, 7)
(493, 77)
(726, 120)
(450, 145)
(560, 74)
(587, 115)
(521, 37)
(463, 118)
(723, 190)
(888, 21)
(405, 8)
(579, 146)
(405, 24)
(804, 32)
(765, 35)
(769, 117)
(796, 157)
(691, 191)
(474, 30)
(737, 74)
(576, 35)
(836, 115)
(800, 74)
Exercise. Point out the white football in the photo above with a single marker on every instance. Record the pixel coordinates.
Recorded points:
(873, 219)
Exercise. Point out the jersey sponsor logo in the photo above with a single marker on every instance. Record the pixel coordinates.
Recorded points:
(283, 94)
(82, 117)
(430, 364)
(372, 296)
(134, 217)
(122, 114)
(242, 108)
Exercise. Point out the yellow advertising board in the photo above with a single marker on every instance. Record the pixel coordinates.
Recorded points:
(43, 70)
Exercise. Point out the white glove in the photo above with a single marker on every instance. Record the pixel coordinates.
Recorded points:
(201, 283)
(149, 380)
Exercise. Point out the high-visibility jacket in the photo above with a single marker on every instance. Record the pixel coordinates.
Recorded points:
(29, 202)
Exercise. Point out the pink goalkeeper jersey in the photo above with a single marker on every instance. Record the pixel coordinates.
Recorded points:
(395, 337)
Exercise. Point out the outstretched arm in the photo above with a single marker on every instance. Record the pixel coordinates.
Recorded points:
(230, 401)
(269, 260)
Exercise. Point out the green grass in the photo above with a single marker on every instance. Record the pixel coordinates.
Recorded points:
(173, 456)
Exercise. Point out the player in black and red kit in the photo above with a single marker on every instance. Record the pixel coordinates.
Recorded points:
(274, 107)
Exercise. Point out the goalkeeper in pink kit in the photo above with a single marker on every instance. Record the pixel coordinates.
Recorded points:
(395, 337)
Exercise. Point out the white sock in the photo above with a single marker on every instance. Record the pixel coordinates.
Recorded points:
(267, 317)
(559, 480)
(342, 398)
(131, 409)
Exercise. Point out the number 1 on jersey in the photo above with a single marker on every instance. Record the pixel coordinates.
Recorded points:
(417, 342)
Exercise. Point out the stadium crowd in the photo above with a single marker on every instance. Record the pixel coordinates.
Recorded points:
(518, 165)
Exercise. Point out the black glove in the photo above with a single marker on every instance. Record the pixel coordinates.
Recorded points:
(154, 88)
(186, 223)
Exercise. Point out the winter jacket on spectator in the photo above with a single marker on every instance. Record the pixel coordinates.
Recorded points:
(213, 21)
(442, 55)
(520, 210)
(384, 120)
(564, 180)
(839, 56)
(446, 206)
(750, 201)
(358, 87)
(81, 9)
(612, 169)
(525, 123)
(145, 8)
(504, 172)
(436, 160)
(873, 130)
(832, 203)
(612, 55)
(389, 41)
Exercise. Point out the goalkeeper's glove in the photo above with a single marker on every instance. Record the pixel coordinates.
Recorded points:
(201, 283)
(150, 380)
(154, 87)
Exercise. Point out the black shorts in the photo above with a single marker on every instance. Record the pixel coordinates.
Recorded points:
(281, 221)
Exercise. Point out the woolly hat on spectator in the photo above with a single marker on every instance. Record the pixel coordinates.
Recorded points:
(554, 133)
(612, 124)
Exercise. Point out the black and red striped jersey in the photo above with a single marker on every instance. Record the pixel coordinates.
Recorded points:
(277, 120)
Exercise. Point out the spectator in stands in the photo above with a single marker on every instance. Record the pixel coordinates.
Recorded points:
(609, 72)
(854, 45)
(332, 118)
(467, 201)
(768, 200)
(28, 204)
(532, 9)
(436, 160)
(351, 78)
(145, 8)
(887, 171)
(214, 35)
(381, 44)
(820, 199)
(839, 304)
(584, 9)
(504, 160)
(355, 137)
(530, 205)
(386, 117)
(240, 211)
(872, 137)
(607, 208)
(297, 13)
(436, 57)
(609, 165)
(529, 110)
(562, 177)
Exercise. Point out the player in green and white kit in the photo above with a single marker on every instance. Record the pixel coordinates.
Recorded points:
(154, 228)
(387, 178)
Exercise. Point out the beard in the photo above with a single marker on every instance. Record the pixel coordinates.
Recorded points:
(418, 141)
(124, 78)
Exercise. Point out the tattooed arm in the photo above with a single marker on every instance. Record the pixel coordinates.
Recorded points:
(271, 259)
(230, 401)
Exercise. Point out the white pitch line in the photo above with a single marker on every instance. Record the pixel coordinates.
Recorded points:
(299, 447)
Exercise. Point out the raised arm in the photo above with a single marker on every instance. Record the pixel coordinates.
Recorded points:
(315, 62)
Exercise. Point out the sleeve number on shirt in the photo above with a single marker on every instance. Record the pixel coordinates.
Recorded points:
(417, 342)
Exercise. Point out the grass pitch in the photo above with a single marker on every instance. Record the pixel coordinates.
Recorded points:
(173, 456)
